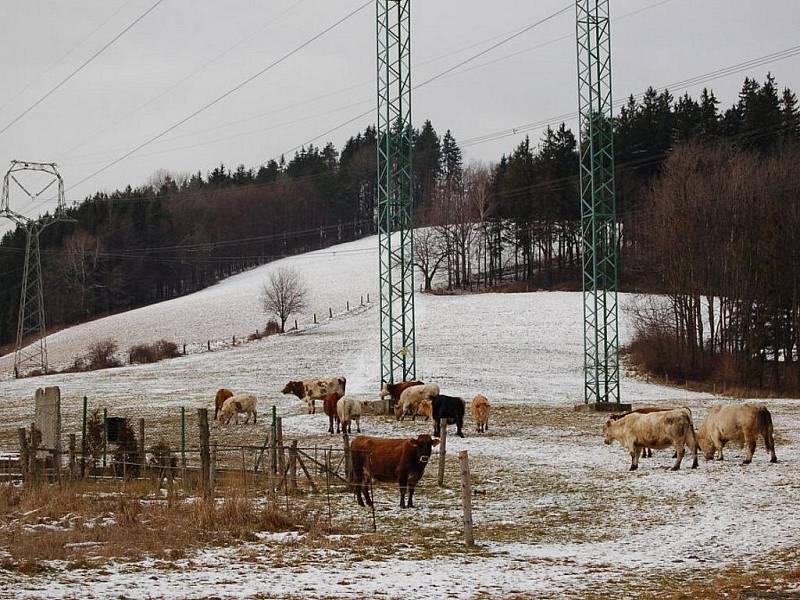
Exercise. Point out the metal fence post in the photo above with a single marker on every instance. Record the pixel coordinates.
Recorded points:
(273, 445)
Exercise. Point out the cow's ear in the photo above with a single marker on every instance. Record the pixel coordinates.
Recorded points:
(434, 442)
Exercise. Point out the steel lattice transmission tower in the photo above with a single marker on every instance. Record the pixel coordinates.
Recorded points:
(395, 202)
(31, 318)
(599, 229)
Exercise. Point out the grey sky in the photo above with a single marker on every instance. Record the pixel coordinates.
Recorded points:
(672, 41)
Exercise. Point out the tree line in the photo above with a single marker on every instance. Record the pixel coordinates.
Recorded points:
(511, 223)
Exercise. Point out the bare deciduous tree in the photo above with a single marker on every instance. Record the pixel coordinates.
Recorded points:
(283, 294)
(429, 252)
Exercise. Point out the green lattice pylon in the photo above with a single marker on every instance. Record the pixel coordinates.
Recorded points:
(599, 229)
(395, 204)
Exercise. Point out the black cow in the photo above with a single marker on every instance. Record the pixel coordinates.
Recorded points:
(450, 408)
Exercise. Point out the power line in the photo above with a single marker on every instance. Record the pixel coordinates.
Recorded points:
(82, 65)
(226, 94)
(63, 56)
(180, 82)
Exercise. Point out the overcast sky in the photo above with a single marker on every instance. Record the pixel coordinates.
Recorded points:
(151, 78)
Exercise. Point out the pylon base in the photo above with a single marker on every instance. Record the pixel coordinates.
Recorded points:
(603, 407)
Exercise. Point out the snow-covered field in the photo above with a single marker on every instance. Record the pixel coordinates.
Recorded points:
(556, 512)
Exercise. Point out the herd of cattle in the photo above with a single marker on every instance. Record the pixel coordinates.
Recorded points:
(404, 460)
(373, 459)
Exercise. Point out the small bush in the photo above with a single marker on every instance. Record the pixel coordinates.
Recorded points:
(101, 355)
(150, 353)
(273, 328)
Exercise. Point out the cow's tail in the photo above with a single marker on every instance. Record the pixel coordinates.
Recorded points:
(766, 429)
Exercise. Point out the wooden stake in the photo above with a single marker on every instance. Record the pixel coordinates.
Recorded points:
(24, 462)
(442, 449)
(466, 498)
(73, 463)
(142, 455)
(281, 451)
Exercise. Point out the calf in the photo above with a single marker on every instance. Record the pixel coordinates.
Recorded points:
(349, 410)
(394, 390)
(741, 424)
(222, 395)
(662, 429)
(329, 406)
(382, 459)
(450, 408)
(310, 390)
(412, 397)
(241, 403)
(480, 412)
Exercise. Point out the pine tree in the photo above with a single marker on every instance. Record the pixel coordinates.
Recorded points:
(790, 121)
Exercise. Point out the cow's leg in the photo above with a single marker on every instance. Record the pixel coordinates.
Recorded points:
(634, 458)
(403, 486)
(330, 424)
(679, 452)
(769, 442)
(412, 485)
(367, 485)
(255, 416)
(459, 425)
(692, 442)
(358, 484)
(750, 447)
(718, 444)
(358, 424)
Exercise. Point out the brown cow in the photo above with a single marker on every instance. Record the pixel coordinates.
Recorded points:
(222, 395)
(480, 412)
(382, 459)
(741, 424)
(654, 430)
(329, 406)
(394, 390)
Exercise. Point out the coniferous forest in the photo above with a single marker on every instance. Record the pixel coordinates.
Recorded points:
(694, 180)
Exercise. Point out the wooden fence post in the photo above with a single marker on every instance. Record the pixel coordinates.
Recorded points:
(212, 469)
(330, 312)
(73, 464)
(208, 345)
(442, 449)
(293, 467)
(142, 458)
(33, 450)
(24, 461)
(466, 498)
(205, 456)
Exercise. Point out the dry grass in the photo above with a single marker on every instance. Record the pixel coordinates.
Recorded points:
(86, 524)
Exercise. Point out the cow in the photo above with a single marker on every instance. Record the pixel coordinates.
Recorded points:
(241, 403)
(450, 408)
(411, 398)
(349, 410)
(315, 389)
(480, 412)
(661, 429)
(647, 452)
(741, 424)
(394, 390)
(329, 406)
(222, 395)
(383, 459)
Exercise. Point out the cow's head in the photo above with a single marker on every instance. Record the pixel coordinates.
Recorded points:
(295, 387)
(385, 391)
(423, 445)
(705, 445)
(607, 436)
(398, 411)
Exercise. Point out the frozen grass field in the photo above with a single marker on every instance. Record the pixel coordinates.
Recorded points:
(556, 512)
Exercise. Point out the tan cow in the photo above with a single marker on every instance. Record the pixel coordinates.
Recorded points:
(480, 412)
(737, 423)
(637, 431)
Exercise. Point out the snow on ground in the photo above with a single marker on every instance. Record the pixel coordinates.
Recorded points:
(556, 512)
